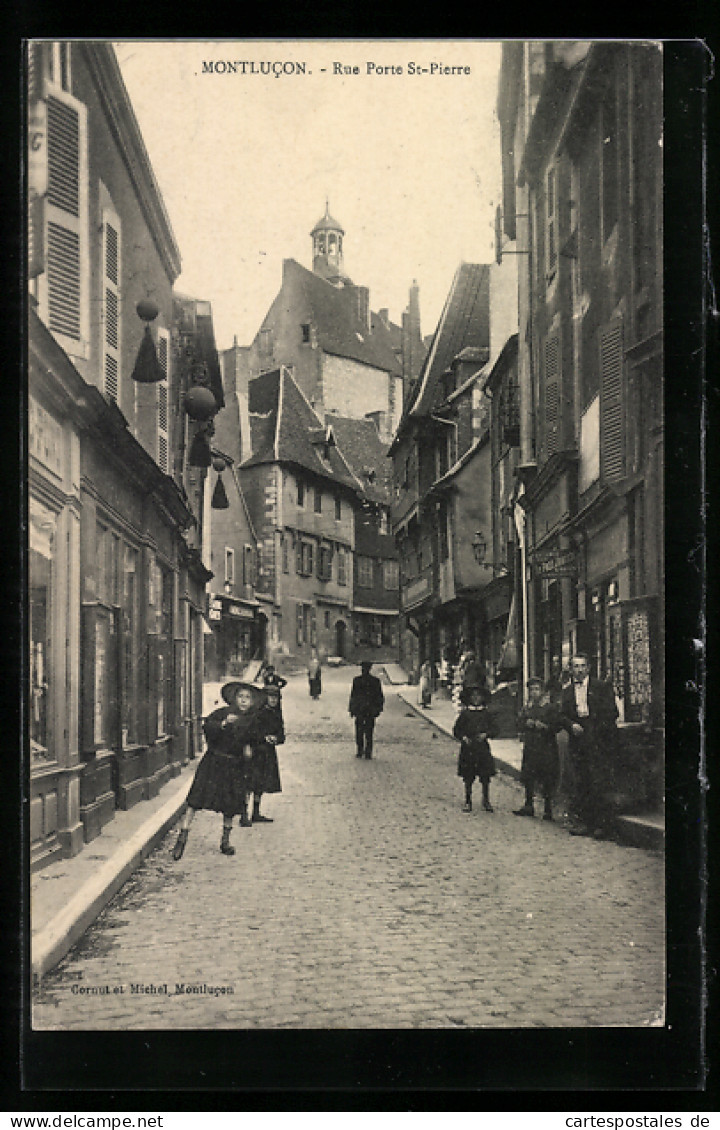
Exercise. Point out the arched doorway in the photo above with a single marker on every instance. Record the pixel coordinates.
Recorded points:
(340, 635)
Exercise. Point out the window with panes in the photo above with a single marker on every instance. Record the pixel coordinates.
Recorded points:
(365, 571)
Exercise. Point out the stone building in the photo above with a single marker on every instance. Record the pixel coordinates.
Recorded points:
(116, 578)
(581, 127)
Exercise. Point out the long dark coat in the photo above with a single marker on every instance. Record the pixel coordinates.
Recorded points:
(474, 758)
(366, 696)
(221, 781)
(264, 774)
(540, 761)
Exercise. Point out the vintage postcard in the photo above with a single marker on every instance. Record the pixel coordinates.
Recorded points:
(346, 608)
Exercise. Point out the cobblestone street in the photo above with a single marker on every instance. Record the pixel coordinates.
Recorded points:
(372, 901)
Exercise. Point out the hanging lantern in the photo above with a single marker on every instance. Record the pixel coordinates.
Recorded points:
(147, 369)
(219, 499)
(219, 463)
(199, 454)
(200, 404)
(147, 310)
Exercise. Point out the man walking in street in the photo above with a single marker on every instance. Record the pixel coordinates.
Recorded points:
(366, 704)
(589, 715)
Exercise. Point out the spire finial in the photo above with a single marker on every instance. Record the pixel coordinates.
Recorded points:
(327, 205)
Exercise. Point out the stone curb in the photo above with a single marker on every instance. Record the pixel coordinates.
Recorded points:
(57, 938)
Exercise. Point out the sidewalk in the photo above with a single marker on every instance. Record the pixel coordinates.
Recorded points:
(643, 831)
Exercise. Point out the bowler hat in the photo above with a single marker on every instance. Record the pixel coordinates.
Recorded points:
(366, 664)
(229, 691)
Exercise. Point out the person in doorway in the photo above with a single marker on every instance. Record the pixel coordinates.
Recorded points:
(221, 781)
(314, 676)
(425, 686)
(559, 679)
(473, 727)
(264, 769)
(538, 722)
(589, 714)
(366, 705)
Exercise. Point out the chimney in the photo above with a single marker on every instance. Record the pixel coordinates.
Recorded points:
(362, 300)
(411, 336)
(384, 315)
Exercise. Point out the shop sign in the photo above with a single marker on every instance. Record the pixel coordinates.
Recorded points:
(215, 614)
(555, 563)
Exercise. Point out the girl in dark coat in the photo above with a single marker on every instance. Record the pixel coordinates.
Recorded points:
(221, 781)
(473, 727)
(539, 722)
(265, 771)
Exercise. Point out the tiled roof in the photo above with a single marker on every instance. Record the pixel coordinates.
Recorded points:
(464, 322)
(366, 455)
(283, 426)
(339, 330)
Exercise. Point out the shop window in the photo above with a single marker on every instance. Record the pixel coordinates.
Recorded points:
(129, 645)
(40, 576)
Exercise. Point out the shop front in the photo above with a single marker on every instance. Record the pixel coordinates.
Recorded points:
(234, 624)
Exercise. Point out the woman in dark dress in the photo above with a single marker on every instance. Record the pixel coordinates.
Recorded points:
(314, 676)
(473, 727)
(222, 779)
(539, 722)
(264, 768)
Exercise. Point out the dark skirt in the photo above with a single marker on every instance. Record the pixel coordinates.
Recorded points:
(220, 784)
(540, 764)
(264, 771)
(476, 761)
(315, 682)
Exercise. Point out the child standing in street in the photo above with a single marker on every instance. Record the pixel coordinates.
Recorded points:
(539, 722)
(265, 771)
(472, 728)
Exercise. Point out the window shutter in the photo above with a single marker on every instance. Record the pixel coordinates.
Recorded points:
(163, 448)
(111, 304)
(66, 216)
(551, 225)
(298, 556)
(552, 396)
(612, 429)
(299, 624)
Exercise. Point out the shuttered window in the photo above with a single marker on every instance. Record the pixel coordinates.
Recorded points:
(65, 306)
(111, 304)
(163, 406)
(612, 425)
(552, 396)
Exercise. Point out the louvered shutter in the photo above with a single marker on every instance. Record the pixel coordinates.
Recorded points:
(612, 424)
(163, 402)
(66, 216)
(552, 396)
(37, 162)
(111, 304)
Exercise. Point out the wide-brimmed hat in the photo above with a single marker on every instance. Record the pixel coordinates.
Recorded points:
(229, 691)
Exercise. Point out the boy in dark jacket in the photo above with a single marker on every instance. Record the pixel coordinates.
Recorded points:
(473, 727)
(265, 772)
(538, 722)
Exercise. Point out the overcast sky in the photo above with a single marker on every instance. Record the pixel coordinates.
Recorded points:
(410, 164)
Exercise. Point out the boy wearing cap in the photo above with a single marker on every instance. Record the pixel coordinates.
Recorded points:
(222, 778)
(366, 704)
(538, 722)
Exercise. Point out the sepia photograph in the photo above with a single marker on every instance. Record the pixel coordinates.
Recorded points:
(345, 534)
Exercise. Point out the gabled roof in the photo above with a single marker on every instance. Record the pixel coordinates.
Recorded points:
(365, 454)
(333, 312)
(283, 428)
(464, 323)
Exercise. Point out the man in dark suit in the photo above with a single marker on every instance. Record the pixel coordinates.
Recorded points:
(366, 703)
(589, 715)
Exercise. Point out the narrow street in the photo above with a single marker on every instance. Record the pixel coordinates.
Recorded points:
(372, 901)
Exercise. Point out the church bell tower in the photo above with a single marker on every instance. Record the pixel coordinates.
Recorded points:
(327, 248)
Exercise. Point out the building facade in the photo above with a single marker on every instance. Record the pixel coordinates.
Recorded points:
(581, 128)
(116, 577)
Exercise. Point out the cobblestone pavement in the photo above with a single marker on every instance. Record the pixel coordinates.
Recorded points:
(372, 901)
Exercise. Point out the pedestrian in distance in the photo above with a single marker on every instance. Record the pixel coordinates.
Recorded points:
(271, 678)
(425, 686)
(222, 779)
(264, 771)
(473, 726)
(314, 676)
(538, 723)
(589, 714)
(365, 706)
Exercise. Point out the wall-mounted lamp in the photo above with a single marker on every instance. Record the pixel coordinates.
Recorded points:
(147, 369)
(479, 548)
(219, 499)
